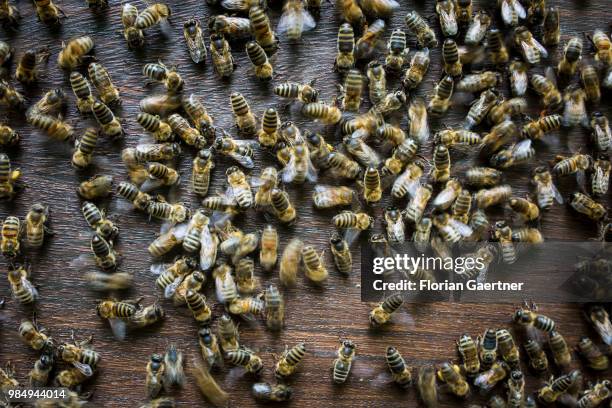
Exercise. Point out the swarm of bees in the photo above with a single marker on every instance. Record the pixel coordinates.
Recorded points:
(479, 51)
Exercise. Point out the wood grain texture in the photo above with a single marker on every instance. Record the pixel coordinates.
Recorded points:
(424, 333)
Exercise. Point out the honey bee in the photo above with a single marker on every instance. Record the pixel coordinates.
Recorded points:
(426, 37)
(269, 247)
(525, 208)
(416, 207)
(469, 353)
(526, 234)
(314, 268)
(400, 371)
(104, 282)
(408, 181)
(492, 376)
(392, 102)
(478, 28)
(55, 128)
(259, 59)
(551, 97)
(551, 29)
(448, 20)
(478, 82)
(246, 282)
(10, 237)
(372, 189)
(197, 304)
(191, 136)
(601, 176)
(192, 32)
(496, 47)
(171, 277)
(70, 377)
(487, 348)
(451, 375)
(209, 346)
(174, 376)
(96, 187)
(160, 130)
(536, 129)
(351, 91)
(377, 86)
(262, 30)
(480, 109)
(228, 334)
(345, 58)
(155, 373)
(110, 125)
(133, 35)
(503, 233)
(221, 56)
(80, 355)
(560, 351)
(395, 227)
(537, 357)
(447, 196)
(239, 150)
(48, 12)
(295, 20)
(422, 234)
(28, 68)
(341, 254)
(245, 120)
(571, 57)
(450, 57)
(117, 313)
(397, 51)
(499, 135)
(451, 230)
(603, 47)
(247, 359)
(343, 363)
(555, 387)
(441, 100)
(171, 79)
(290, 262)
(595, 395)
(305, 93)
(163, 210)
(289, 360)
(34, 336)
(590, 82)
(39, 375)
(511, 12)
(321, 112)
(10, 97)
(152, 15)
(7, 377)
(507, 348)
(52, 102)
(130, 192)
(506, 109)
(546, 191)
(351, 12)
(8, 136)
(237, 28)
(35, 224)
(382, 313)
(9, 15)
(104, 254)
(518, 77)
(529, 317)
(419, 64)
(101, 79)
(493, 196)
(193, 234)
(161, 105)
(426, 385)
(483, 176)
(365, 46)
(584, 204)
(166, 242)
(274, 309)
(239, 188)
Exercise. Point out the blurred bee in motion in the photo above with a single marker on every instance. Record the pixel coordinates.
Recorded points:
(426, 385)
(451, 375)
(155, 373)
(518, 77)
(133, 35)
(221, 56)
(48, 12)
(36, 225)
(51, 103)
(192, 32)
(274, 309)
(498, 136)
(408, 181)
(546, 191)
(551, 27)
(352, 13)
(28, 69)
(529, 47)
(9, 178)
(174, 376)
(70, 377)
(426, 37)
(419, 64)
(492, 376)
(537, 357)
(377, 82)
(262, 30)
(457, 137)
(451, 230)
(441, 100)
(511, 12)
(478, 27)
(101, 79)
(461, 207)
(295, 20)
(345, 57)
(601, 175)
(527, 234)
(551, 97)
(503, 234)
(600, 319)
(10, 97)
(382, 313)
(268, 253)
(9, 15)
(247, 359)
(343, 363)
(105, 282)
(154, 14)
(267, 182)
(54, 128)
(496, 47)
(584, 204)
(590, 82)
(96, 187)
(191, 136)
(392, 102)
(314, 267)
(10, 237)
(290, 262)
(416, 207)
(259, 59)
(447, 14)
(603, 47)
(265, 392)
(527, 210)
(236, 28)
(478, 82)
(73, 52)
(556, 387)
(21, 288)
(246, 282)
(159, 72)
(483, 177)
(8, 136)
(397, 52)
(601, 135)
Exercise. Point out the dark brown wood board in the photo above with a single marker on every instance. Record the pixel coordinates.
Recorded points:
(424, 333)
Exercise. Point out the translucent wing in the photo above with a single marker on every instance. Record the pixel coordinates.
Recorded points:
(581, 178)
(518, 8)
(507, 12)
(604, 329)
(180, 230)
(289, 19)
(308, 21)
(119, 328)
(84, 368)
(157, 268)
(529, 53)
(311, 171)
(519, 79)
(522, 147)
(208, 249)
(151, 184)
(540, 47)
(449, 22)
(244, 161)
(29, 287)
(463, 229)
(289, 172)
(235, 5)
(444, 197)
(556, 193)
(82, 262)
(170, 290)
(196, 49)
(350, 235)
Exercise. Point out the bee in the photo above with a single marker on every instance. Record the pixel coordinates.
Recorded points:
(259, 59)
(52, 102)
(162, 175)
(555, 387)
(489, 378)
(35, 224)
(503, 233)
(117, 312)
(487, 348)
(351, 12)
(271, 393)
(345, 58)
(290, 261)
(239, 188)
(416, 207)
(192, 240)
(426, 385)
(382, 313)
(321, 112)
(295, 20)
(365, 46)
(245, 280)
(82, 357)
(480, 109)
(571, 165)
(208, 386)
(469, 353)
(28, 70)
(247, 359)
(400, 371)
(305, 93)
(395, 227)
(525, 208)
(426, 37)
(507, 348)
(499, 135)
(372, 190)
(314, 268)
(282, 207)
(104, 254)
(171, 79)
(325, 196)
(130, 192)
(96, 187)
(152, 15)
(245, 120)
(595, 395)
(447, 14)
(161, 105)
(546, 191)
(173, 373)
(552, 29)
(451, 375)
(110, 125)
(422, 234)
(48, 12)
(341, 254)
(163, 210)
(268, 135)
(450, 57)
(70, 377)
(269, 247)
(530, 48)
(155, 374)
(496, 47)
(551, 97)
(451, 230)
(392, 102)
(441, 164)
(197, 304)
(397, 51)
(348, 219)
(289, 360)
(342, 364)
(560, 351)
(603, 47)
(7, 377)
(171, 277)
(506, 109)
(408, 181)
(478, 28)
(101, 79)
(267, 183)
(192, 31)
(529, 317)
(274, 309)
(399, 159)
(9, 178)
(377, 86)
(262, 30)
(351, 91)
(591, 353)
(10, 237)
(221, 56)
(598, 316)
(191, 136)
(237, 28)
(228, 334)
(419, 64)
(34, 336)
(196, 111)
(518, 77)
(441, 100)
(160, 130)
(483, 177)
(454, 137)
(478, 82)
(341, 165)
(464, 11)
(10, 97)
(39, 375)
(166, 242)
(601, 176)
(590, 82)
(447, 196)
(526, 234)
(601, 131)
(53, 127)
(104, 282)
(133, 35)
(209, 346)
(536, 129)
(571, 57)
(8, 136)
(511, 12)
(537, 357)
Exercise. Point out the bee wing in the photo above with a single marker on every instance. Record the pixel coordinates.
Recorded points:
(556, 193)
(82, 262)
(119, 328)
(208, 249)
(235, 5)
(289, 171)
(311, 170)
(84, 368)
(507, 12)
(519, 9)
(350, 235)
(398, 229)
(464, 230)
(244, 161)
(581, 179)
(180, 230)
(522, 147)
(482, 381)
(529, 53)
(170, 290)
(226, 280)
(604, 330)
(151, 184)
(197, 48)
(289, 19)
(29, 287)
(449, 22)
(157, 268)
(443, 197)
(540, 47)
(519, 80)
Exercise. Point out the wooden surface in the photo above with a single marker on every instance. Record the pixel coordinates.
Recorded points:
(425, 334)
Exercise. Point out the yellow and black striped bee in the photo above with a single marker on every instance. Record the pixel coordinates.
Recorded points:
(133, 35)
(421, 29)
(28, 69)
(382, 313)
(350, 98)
(10, 97)
(199, 116)
(496, 47)
(82, 92)
(109, 124)
(191, 136)
(314, 266)
(48, 12)
(366, 44)
(344, 361)
(551, 27)
(202, 166)
(419, 64)
(221, 56)
(73, 52)
(21, 288)
(451, 375)
(152, 15)
(259, 59)
(440, 102)
(192, 31)
(479, 24)
(36, 225)
(274, 309)
(159, 72)
(245, 120)
(289, 360)
(234, 28)
(601, 175)
(450, 58)
(341, 253)
(400, 370)
(345, 57)
(8, 136)
(9, 178)
(54, 127)
(247, 359)
(262, 30)
(99, 76)
(305, 93)
(117, 313)
(555, 387)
